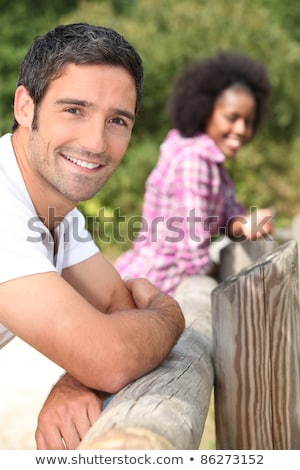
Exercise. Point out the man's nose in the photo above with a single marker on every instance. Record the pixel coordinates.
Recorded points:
(93, 137)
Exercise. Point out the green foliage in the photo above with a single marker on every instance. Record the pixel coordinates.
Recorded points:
(286, 13)
(20, 22)
(168, 34)
(123, 7)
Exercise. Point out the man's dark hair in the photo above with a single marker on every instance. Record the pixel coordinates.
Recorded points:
(201, 82)
(78, 43)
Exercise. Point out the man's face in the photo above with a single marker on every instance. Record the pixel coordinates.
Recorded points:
(84, 125)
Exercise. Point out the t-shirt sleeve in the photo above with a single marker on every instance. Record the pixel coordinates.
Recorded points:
(78, 242)
(27, 248)
(23, 246)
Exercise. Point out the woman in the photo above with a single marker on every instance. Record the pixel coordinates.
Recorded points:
(216, 107)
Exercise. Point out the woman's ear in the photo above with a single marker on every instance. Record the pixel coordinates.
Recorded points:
(23, 107)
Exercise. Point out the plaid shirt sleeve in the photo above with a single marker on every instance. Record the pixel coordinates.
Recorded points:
(232, 207)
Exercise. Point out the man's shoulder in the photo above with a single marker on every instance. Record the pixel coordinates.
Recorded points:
(8, 164)
(5, 142)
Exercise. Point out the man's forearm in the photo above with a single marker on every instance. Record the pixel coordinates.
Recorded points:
(143, 345)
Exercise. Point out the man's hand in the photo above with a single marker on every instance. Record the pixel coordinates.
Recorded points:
(67, 415)
(143, 293)
(147, 296)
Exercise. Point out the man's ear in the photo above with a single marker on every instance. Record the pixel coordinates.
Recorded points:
(23, 107)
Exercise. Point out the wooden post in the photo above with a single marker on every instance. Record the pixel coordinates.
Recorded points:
(237, 255)
(256, 338)
(295, 235)
(167, 408)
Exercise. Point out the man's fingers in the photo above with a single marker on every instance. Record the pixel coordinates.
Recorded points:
(142, 290)
(55, 443)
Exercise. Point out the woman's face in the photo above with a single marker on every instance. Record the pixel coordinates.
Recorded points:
(231, 123)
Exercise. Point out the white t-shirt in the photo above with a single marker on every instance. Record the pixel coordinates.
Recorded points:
(26, 245)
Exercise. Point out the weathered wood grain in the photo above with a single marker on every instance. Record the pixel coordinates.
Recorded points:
(257, 354)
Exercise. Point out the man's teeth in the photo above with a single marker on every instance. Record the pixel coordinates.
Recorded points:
(82, 163)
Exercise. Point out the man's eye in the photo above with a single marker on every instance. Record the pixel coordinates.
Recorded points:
(73, 110)
(118, 121)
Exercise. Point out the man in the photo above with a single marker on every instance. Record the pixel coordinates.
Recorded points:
(77, 96)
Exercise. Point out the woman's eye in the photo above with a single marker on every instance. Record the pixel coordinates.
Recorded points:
(231, 118)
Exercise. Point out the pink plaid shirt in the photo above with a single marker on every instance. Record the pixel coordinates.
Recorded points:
(189, 199)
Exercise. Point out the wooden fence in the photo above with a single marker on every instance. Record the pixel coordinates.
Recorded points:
(243, 341)
(256, 344)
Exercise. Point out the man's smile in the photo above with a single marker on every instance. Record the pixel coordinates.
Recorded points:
(82, 163)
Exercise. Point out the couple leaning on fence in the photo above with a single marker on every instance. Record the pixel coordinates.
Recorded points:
(76, 101)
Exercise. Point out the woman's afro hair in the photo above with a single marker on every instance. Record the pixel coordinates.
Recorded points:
(200, 83)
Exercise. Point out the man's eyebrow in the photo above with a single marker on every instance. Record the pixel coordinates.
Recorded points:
(88, 104)
(74, 101)
(124, 113)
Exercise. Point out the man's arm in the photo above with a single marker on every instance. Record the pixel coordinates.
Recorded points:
(100, 284)
(103, 352)
(67, 414)
(71, 408)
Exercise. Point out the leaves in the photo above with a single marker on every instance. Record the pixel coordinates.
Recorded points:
(168, 34)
